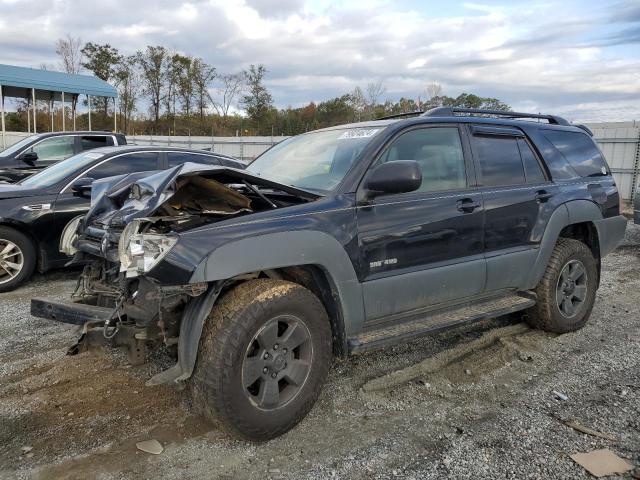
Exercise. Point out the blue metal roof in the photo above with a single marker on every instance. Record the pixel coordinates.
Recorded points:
(49, 81)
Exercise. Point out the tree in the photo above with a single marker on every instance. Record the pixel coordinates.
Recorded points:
(258, 102)
(127, 78)
(102, 61)
(69, 51)
(375, 90)
(357, 102)
(203, 75)
(152, 62)
(231, 84)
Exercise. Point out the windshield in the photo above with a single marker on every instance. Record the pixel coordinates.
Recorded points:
(18, 146)
(59, 171)
(315, 161)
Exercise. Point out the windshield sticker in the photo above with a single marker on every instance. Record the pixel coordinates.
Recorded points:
(94, 155)
(359, 133)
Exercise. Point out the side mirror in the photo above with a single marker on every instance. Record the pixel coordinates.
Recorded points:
(400, 176)
(29, 157)
(82, 186)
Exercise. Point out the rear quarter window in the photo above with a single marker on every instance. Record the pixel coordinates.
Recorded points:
(580, 152)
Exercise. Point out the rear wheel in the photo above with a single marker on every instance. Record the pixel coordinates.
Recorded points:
(264, 355)
(17, 258)
(567, 291)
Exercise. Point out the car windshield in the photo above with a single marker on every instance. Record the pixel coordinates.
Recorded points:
(18, 146)
(61, 170)
(316, 160)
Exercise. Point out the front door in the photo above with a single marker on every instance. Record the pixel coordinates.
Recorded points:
(425, 247)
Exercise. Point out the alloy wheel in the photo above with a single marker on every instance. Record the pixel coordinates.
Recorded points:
(11, 260)
(571, 291)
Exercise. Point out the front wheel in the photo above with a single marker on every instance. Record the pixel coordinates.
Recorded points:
(17, 258)
(567, 290)
(264, 354)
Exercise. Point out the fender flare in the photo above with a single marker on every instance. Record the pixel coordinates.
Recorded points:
(572, 212)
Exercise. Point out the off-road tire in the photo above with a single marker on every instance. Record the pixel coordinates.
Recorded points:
(216, 387)
(546, 314)
(28, 253)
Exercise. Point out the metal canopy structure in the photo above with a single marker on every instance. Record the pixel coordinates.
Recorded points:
(34, 84)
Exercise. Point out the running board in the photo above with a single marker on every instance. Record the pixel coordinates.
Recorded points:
(439, 320)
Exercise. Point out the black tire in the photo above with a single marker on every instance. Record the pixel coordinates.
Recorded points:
(553, 310)
(230, 343)
(27, 255)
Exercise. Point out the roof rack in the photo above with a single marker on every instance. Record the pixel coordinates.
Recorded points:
(400, 115)
(451, 111)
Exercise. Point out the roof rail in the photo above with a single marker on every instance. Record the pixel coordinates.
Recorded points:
(451, 111)
(400, 115)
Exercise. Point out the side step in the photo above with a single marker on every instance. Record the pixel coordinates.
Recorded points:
(439, 320)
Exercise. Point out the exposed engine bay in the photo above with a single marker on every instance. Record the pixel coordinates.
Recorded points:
(134, 221)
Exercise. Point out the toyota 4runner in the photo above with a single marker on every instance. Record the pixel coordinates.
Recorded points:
(339, 241)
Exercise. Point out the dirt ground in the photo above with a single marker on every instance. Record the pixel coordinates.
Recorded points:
(490, 412)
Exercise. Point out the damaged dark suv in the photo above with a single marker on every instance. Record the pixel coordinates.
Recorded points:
(339, 241)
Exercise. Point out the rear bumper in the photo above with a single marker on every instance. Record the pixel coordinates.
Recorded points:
(68, 312)
(610, 233)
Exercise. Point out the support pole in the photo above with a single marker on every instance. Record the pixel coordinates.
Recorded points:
(4, 141)
(89, 100)
(33, 97)
(115, 115)
(51, 104)
(28, 115)
(63, 115)
(74, 106)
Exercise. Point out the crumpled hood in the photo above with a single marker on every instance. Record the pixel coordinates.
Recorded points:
(116, 201)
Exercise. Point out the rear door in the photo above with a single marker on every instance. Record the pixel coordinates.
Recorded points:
(516, 191)
(53, 149)
(69, 204)
(425, 247)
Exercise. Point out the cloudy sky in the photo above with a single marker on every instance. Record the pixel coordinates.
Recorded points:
(580, 59)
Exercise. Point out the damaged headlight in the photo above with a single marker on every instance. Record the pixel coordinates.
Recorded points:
(140, 252)
(69, 235)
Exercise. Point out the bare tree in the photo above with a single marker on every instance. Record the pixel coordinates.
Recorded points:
(203, 75)
(433, 90)
(357, 102)
(127, 77)
(231, 85)
(68, 49)
(375, 90)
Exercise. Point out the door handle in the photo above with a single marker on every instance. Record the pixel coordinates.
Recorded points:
(467, 205)
(542, 196)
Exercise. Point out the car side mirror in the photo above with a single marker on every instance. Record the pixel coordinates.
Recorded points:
(82, 186)
(29, 157)
(400, 176)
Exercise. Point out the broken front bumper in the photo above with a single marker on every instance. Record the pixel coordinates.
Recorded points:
(69, 312)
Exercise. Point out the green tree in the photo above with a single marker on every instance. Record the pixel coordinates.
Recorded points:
(152, 62)
(102, 60)
(127, 78)
(257, 102)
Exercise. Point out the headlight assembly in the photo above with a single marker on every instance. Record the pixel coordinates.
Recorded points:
(140, 252)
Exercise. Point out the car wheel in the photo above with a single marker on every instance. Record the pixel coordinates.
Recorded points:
(567, 290)
(264, 355)
(17, 258)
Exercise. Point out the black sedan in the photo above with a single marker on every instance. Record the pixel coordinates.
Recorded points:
(35, 211)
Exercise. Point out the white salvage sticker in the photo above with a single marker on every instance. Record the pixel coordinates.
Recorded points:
(94, 155)
(358, 133)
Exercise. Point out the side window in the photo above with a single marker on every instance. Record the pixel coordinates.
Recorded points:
(88, 142)
(438, 150)
(532, 168)
(54, 149)
(499, 159)
(579, 150)
(130, 163)
(178, 158)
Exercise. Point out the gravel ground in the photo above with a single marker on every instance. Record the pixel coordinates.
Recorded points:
(490, 414)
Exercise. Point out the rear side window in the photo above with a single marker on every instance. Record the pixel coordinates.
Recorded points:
(499, 158)
(579, 150)
(90, 141)
(178, 158)
(532, 168)
(133, 162)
